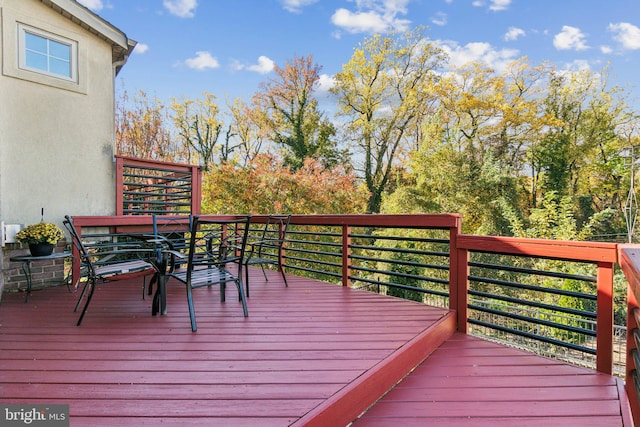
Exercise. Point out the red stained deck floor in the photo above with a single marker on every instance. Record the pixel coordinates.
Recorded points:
(310, 354)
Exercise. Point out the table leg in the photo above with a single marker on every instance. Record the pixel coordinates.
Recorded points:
(26, 269)
(160, 296)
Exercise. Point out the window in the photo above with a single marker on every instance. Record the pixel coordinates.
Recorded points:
(48, 54)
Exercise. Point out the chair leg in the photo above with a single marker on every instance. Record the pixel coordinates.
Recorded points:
(242, 296)
(264, 273)
(82, 294)
(283, 276)
(86, 305)
(192, 312)
(246, 281)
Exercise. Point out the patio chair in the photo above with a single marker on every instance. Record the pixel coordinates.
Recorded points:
(116, 262)
(269, 249)
(171, 229)
(216, 251)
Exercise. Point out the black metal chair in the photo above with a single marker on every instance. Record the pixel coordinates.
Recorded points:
(116, 261)
(171, 230)
(269, 249)
(216, 250)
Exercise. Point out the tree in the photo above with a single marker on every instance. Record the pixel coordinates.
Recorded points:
(384, 91)
(198, 127)
(141, 129)
(291, 116)
(267, 186)
(244, 128)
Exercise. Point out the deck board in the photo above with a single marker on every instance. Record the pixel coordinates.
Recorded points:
(468, 381)
(298, 351)
(309, 355)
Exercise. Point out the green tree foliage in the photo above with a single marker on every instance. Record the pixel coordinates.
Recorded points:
(291, 116)
(384, 91)
(198, 127)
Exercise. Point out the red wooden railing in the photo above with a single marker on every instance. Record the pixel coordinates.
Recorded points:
(604, 255)
(630, 264)
(146, 187)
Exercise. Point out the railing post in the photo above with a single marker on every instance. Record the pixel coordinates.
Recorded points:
(196, 190)
(604, 320)
(632, 325)
(346, 251)
(76, 261)
(119, 186)
(458, 281)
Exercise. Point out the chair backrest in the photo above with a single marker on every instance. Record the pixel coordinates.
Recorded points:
(216, 242)
(85, 256)
(173, 229)
(274, 234)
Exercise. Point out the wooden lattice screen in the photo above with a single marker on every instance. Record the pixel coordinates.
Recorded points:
(146, 187)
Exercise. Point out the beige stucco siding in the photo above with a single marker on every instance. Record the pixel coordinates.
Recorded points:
(57, 137)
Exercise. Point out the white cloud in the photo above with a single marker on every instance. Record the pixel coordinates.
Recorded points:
(95, 5)
(570, 38)
(577, 65)
(372, 16)
(513, 33)
(495, 5)
(141, 48)
(498, 5)
(478, 52)
(296, 6)
(628, 35)
(181, 8)
(325, 82)
(202, 61)
(264, 66)
(606, 49)
(440, 19)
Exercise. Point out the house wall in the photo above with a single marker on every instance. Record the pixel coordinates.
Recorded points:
(56, 137)
(57, 143)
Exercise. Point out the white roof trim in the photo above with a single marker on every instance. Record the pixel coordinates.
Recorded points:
(92, 22)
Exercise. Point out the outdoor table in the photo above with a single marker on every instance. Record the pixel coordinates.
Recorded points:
(26, 261)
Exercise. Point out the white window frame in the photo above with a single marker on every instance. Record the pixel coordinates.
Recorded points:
(22, 49)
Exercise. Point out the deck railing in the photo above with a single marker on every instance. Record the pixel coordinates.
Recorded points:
(539, 290)
(147, 187)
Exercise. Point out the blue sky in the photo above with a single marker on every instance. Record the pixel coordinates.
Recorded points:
(227, 47)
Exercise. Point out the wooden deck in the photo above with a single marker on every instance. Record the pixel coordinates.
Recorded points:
(310, 354)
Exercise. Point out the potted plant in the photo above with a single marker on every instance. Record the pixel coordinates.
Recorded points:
(41, 237)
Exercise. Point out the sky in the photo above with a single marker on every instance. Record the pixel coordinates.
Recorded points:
(228, 47)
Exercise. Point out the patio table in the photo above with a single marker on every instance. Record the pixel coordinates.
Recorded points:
(26, 261)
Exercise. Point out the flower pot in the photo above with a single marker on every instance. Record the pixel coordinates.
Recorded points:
(41, 249)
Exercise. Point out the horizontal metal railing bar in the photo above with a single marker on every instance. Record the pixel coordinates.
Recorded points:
(400, 286)
(528, 319)
(127, 171)
(318, 243)
(400, 262)
(403, 275)
(528, 303)
(547, 340)
(310, 251)
(311, 261)
(533, 271)
(517, 285)
(182, 194)
(159, 182)
(400, 238)
(167, 202)
(311, 270)
(407, 251)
